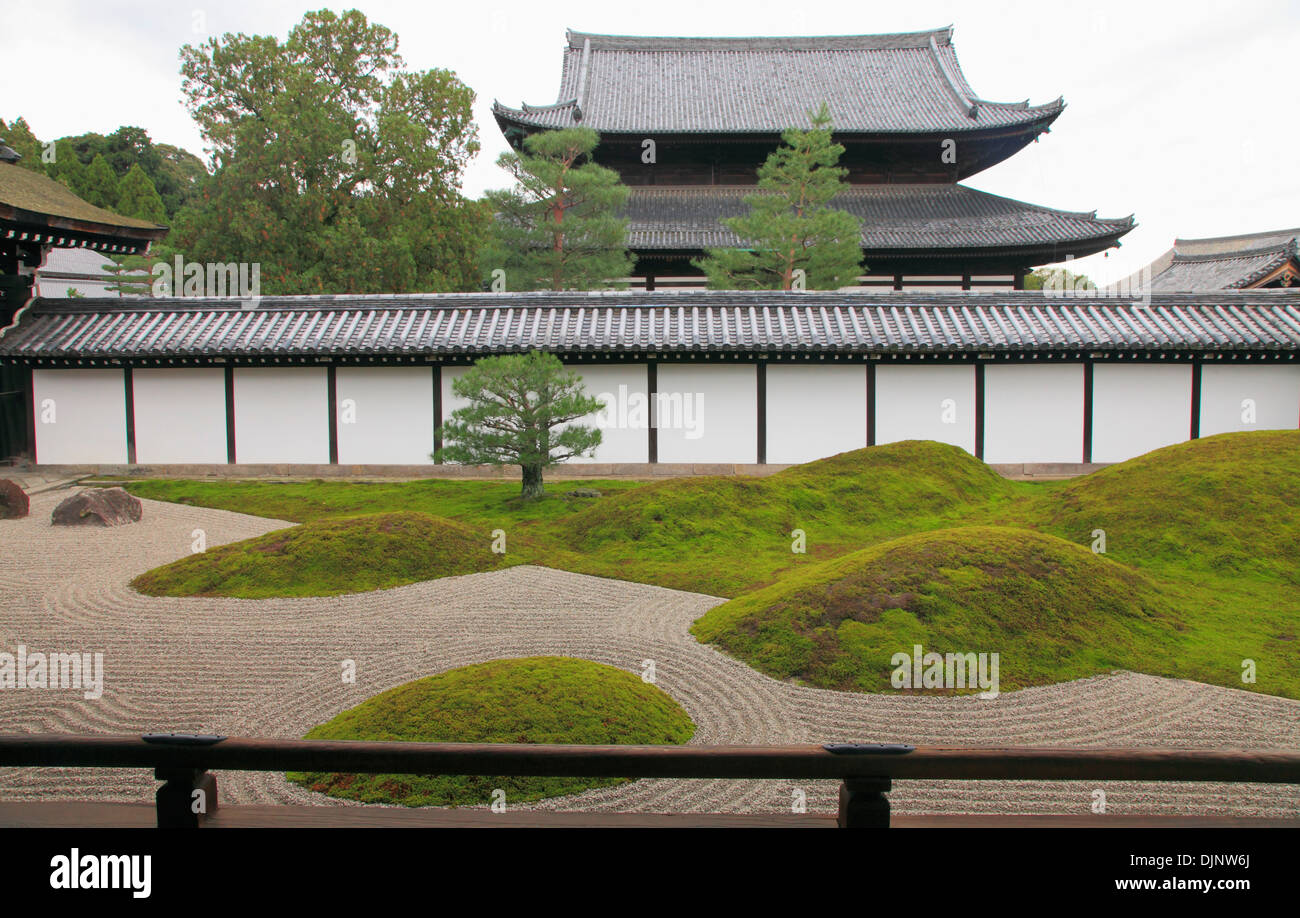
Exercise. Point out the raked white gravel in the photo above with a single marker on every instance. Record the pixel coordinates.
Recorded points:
(273, 668)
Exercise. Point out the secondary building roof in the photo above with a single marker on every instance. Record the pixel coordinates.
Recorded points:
(35, 208)
(1229, 262)
(685, 323)
(874, 84)
(906, 219)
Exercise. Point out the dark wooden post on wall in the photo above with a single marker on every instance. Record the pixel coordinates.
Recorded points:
(1195, 432)
(760, 374)
(871, 403)
(332, 402)
(128, 380)
(979, 410)
(652, 400)
(437, 409)
(230, 415)
(1087, 410)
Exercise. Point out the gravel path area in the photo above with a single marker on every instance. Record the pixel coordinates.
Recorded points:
(273, 668)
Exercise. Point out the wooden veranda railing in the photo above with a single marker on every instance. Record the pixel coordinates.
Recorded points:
(866, 771)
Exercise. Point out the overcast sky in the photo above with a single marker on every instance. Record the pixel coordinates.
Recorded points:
(1179, 112)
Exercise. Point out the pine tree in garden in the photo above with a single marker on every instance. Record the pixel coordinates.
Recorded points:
(558, 228)
(516, 402)
(137, 197)
(100, 184)
(790, 225)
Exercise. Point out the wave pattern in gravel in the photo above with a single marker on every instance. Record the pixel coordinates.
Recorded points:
(273, 668)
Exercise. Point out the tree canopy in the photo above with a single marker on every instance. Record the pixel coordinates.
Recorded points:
(175, 174)
(791, 226)
(335, 167)
(520, 412)
(558, 227)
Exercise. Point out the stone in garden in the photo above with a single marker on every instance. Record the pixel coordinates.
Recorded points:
(583, 492)
(98, 507)
(13, 501)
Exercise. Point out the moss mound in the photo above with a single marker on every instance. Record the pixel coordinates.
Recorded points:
(1052, 610)
(685, 533)
(1229, 504)
(329, 557)
(529, 700)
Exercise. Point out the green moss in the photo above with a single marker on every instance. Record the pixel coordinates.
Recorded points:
(529, 700)
(1052, 611)
(328, 557)
(1215, 523)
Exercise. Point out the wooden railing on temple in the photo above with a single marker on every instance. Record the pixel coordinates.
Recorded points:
(184, 762)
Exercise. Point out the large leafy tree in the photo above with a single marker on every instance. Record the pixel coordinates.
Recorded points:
(336, 168)
(520, 412)
(791, 226)
(558, 228)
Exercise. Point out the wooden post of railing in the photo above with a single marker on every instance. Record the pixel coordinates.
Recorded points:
(188, 796)
(863, 804)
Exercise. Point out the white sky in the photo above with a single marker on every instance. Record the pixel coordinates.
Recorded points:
(1180, 112)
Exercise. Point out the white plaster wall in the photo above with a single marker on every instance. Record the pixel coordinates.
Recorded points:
(723, 426)
(1139, 407)
(814, 411)
(180, 414)
(910, 404)
(624, 428)
(385, 415)
(80, 416)
(1033, 412)
(281, 415)
(1275, 391)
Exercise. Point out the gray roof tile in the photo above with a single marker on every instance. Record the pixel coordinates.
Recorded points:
(677, 322)
(927, 218)
(902, 83)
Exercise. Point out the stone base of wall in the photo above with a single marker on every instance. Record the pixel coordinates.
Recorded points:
(633, 470)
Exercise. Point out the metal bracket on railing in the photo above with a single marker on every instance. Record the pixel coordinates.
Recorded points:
(868, 748)
(182, 739)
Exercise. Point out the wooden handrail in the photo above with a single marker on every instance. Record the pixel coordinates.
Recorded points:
(1271, 766)
(866, 771)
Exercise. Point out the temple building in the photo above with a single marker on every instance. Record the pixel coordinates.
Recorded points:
(39, 215)
(686, 122)
(1254, 260)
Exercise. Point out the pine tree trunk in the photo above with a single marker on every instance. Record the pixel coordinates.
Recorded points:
(532, 482)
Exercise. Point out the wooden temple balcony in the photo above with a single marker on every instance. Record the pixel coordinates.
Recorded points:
(866, 772)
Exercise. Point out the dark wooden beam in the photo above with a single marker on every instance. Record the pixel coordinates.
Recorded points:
(332, 403)
(437, 409)
(967, 763)
(1087, 410)
(979, 410)
(652, 399)
(230, 415)
(128, 386)
(760, 375)
(871, 403)
(1195, 432)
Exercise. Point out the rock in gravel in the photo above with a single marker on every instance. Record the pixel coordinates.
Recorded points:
(583, 492)
(13, 501)
(97, 507)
